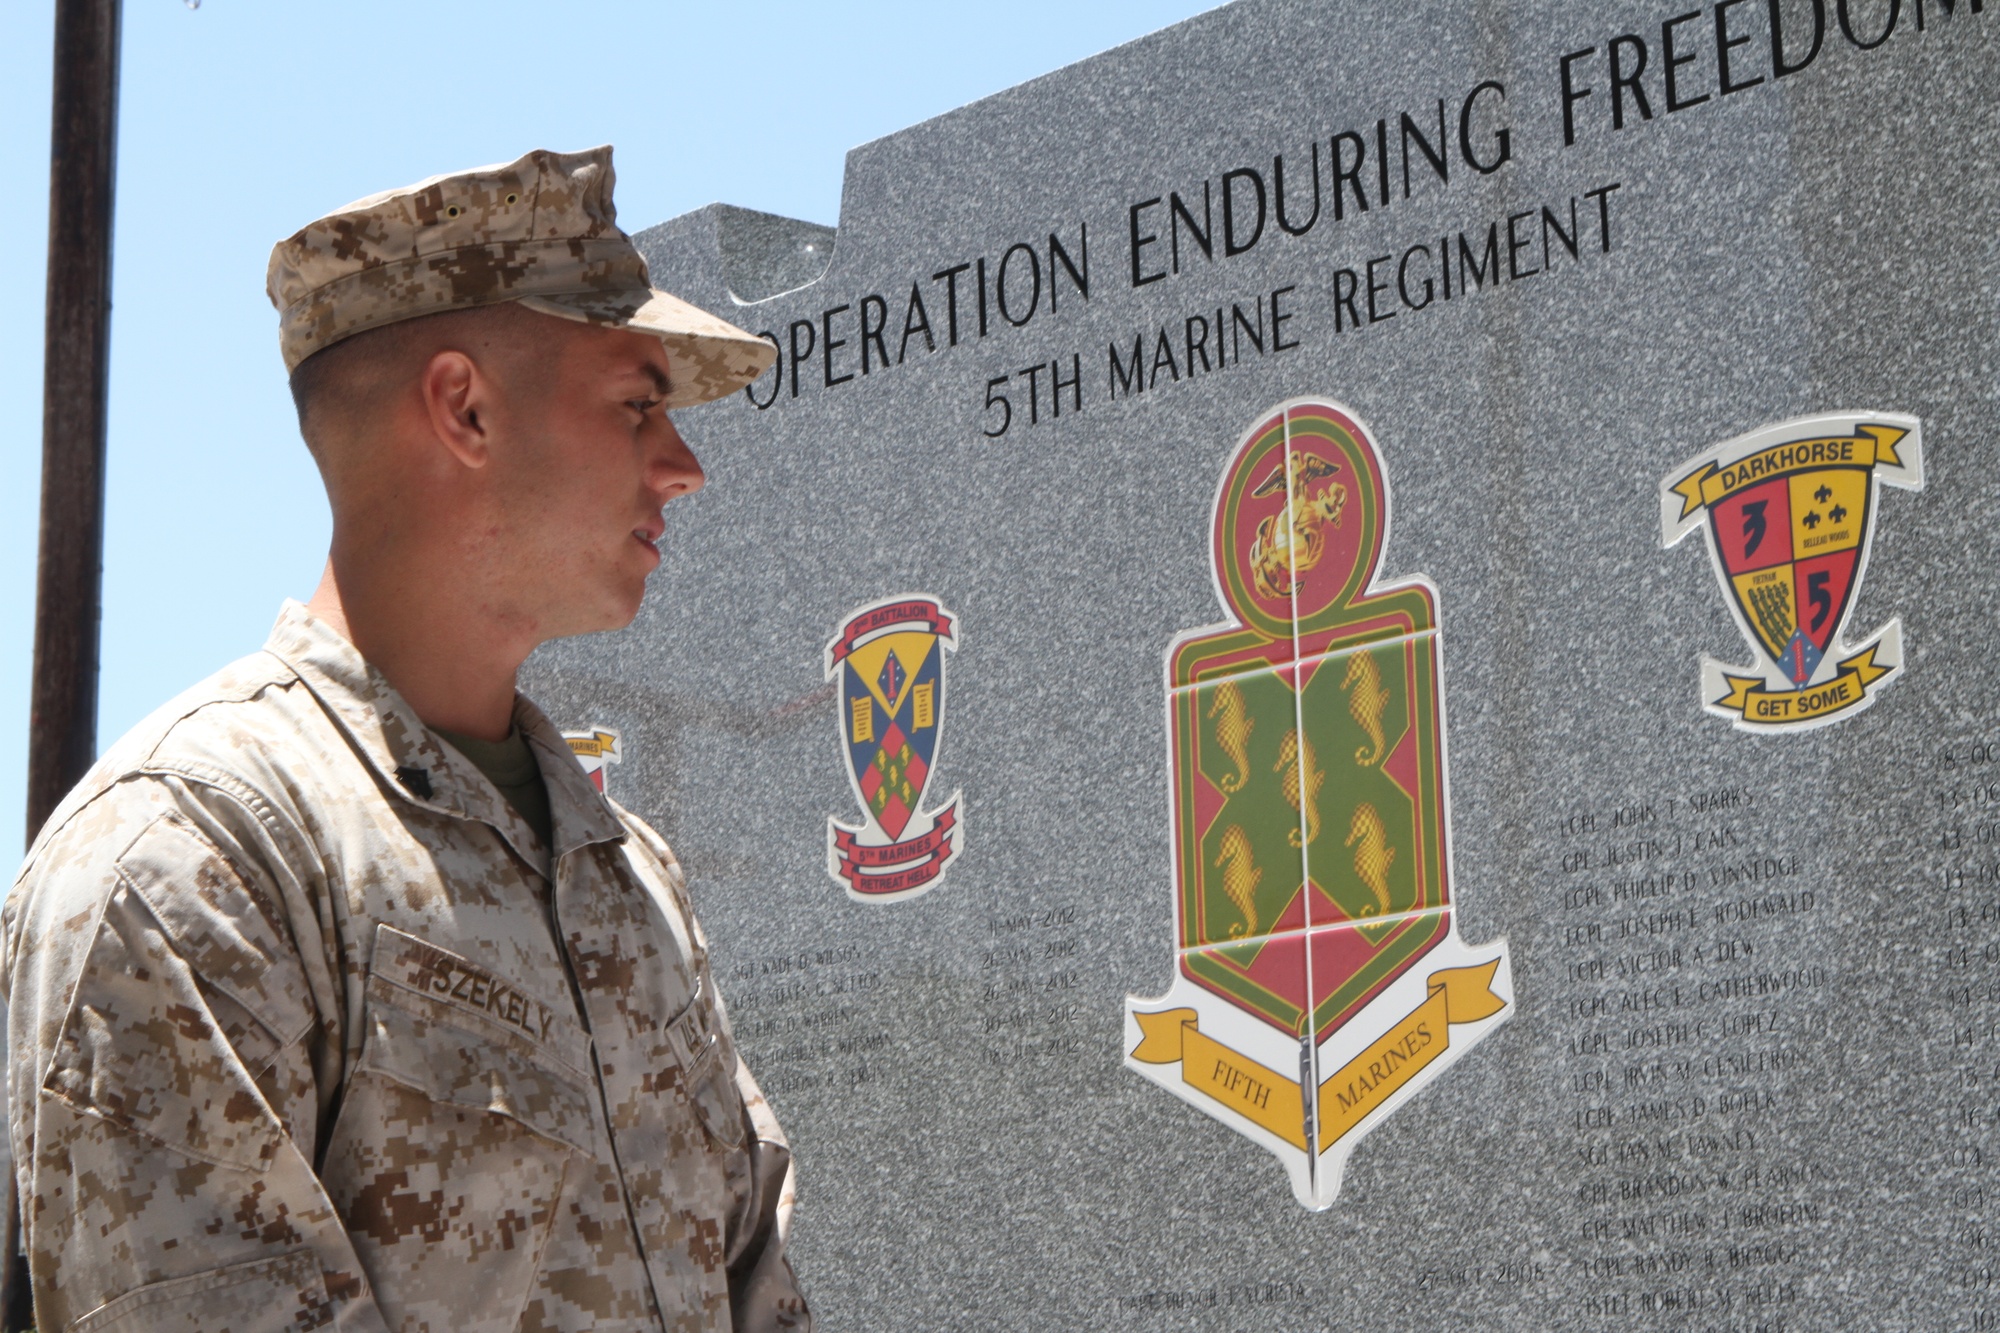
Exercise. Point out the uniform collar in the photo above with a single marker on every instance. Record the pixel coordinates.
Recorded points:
(419, 766)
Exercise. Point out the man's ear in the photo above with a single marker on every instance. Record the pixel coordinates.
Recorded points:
(457, 395)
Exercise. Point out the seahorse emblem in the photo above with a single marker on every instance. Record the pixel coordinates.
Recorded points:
(1239, 877)
(1366, 700)
(1372, 855)
(1302, 778)
(1232, 732)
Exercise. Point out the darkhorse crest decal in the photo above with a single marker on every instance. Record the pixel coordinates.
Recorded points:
(1789, 513)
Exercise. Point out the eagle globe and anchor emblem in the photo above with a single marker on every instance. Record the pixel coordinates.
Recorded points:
(1319, 980)
(1789, 513)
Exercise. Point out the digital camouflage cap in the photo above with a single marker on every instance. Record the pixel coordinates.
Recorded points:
(541, 231)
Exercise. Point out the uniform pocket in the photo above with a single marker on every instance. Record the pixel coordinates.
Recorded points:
(708, 1062)
(457, 1141)
(442, 1053)
(282, 1295)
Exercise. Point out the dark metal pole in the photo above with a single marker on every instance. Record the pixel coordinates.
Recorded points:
(62, 725)
(62, 718)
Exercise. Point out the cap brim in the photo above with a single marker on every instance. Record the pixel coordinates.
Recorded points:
(707, 358)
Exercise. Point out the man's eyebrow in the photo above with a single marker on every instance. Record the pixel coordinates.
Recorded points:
(659, 378)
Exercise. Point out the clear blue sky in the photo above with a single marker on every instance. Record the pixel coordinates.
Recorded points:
(243, 119)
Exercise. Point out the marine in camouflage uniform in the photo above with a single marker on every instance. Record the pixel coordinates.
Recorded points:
(309, 1026)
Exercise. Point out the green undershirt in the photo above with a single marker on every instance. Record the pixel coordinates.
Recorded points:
(510, 765)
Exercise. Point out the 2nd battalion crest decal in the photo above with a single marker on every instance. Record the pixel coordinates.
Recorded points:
(1789, 513)
(1320, 982)
(888, 660)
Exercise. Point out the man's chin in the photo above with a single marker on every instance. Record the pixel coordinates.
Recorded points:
(610, 613)
(616, 617)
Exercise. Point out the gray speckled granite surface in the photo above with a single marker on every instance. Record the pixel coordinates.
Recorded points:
(1804, 1136)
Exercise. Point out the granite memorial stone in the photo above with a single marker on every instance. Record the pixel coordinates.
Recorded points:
(1227, 792)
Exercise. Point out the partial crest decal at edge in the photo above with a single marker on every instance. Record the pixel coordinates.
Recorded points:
(595, 748)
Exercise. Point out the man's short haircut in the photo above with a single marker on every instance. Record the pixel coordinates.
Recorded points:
(332, 382)
(338, 380)
(312, 381)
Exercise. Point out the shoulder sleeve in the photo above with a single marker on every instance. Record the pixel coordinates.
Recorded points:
(161, 1101)
(655, 847)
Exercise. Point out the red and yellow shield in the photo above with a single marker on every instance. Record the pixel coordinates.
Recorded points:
(1788, 513)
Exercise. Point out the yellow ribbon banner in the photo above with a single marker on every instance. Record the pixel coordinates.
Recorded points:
(1457, 995)
(1712, 482)
(1761, 707)
(594, 745)
(1255, 1092)
(1277, 1101)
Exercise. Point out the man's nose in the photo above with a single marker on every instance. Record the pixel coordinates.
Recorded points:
(673, 469)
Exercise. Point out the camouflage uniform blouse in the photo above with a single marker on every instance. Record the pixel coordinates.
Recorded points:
(308, 1028)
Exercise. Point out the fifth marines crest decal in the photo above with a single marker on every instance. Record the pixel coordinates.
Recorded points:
(888, 658)
(1319, 979)
(1788, 512)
